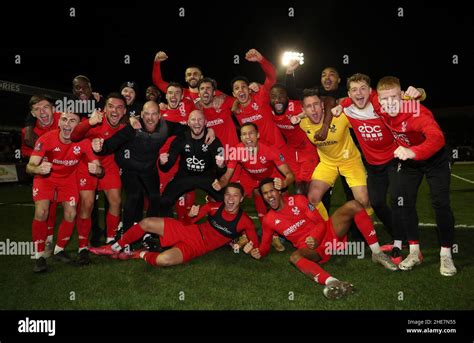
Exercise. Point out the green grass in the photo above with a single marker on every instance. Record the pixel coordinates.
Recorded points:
(223, 280)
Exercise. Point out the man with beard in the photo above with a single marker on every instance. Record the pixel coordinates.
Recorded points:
(302, 156)
(129, 90)
(314, 238)
(200, 163)
(54, 162)
(136, 153)
(192, 75)
(100, 125)
(225, 221)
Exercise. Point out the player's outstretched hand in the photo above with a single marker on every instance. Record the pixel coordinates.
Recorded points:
(97, 144)
(96, 96)
(45, 168)
(253, 56)
(295, 120)
(161, 56)
(164, 158)
(211, 135)
(310, 242)
(163, 106)
(255, 253)
(217, 101)
(193, 212)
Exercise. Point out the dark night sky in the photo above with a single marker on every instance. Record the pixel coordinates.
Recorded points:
(417, 47)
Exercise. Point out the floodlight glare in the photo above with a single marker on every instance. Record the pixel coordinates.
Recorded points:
(289, 56)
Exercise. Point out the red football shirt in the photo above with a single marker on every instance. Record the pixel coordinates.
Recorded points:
(64, 157)
(102, 130)
(297, 220)
(260, 165)
(374, 137)
(221, 122)
(295, 137)
(258, 110)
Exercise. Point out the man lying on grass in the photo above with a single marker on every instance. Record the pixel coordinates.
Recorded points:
(225, 222)
(300, 223)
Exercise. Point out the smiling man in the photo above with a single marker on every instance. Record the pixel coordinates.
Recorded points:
(100, 125)
(54, 162)
(225, 221)
(299, 222)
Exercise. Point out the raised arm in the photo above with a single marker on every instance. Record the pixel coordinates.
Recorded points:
(156, 75)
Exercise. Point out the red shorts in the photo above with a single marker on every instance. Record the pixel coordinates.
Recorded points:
(302, 162)
(88, 182)
(249, 183)
(329, 243)
(56, 189)
(186, 238)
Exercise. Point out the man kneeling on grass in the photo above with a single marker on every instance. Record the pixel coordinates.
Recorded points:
(225, 222)
(296, 219)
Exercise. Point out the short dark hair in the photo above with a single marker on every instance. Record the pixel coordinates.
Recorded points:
(235, 185)
(248, 124)
(174, 84)
(239, 78)
(194, 66)
(38, 98)
(307, 92)
(115, 95)
(264, 182)
(279, 85)
(83, 78)
(207, 80)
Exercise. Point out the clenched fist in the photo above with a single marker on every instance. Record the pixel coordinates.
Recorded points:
(161, 56)
(216, 185)
(97, 144)
(253, 56)
(45, 168)
(94, 168)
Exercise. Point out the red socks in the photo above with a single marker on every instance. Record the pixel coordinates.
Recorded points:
(366, 227)
(112, 224)
(83, 229)
(313, 270)
(64, 233)
(150, 258)
(39, 233)
(133, 234)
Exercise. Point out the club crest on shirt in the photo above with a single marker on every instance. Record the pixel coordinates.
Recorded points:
(82, 182)
(277, 221)
(263, 159)
(204, 147)
(187, 148)
(76, 150)
(282, 158)
(255, 106)
(38, 146)
(35, 191)
(295, 210)
(404, 126)
(332, 128)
